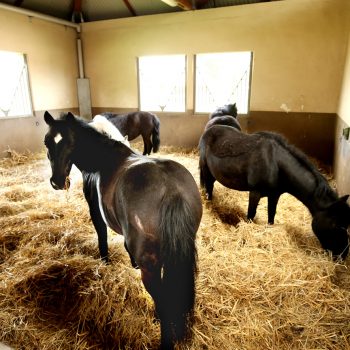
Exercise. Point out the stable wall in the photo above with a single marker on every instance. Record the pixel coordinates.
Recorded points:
(53, 69)
(342, 149)
(299, 52)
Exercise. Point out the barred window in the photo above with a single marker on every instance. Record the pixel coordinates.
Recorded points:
(15, 98)
(162, 83)
(222, 78)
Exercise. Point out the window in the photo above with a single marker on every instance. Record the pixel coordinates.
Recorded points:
(162, 83)
(15, 99)
(222, 78)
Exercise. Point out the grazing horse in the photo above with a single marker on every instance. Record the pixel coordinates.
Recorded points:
(266, 165)
(103, 125)
(223, 120)
(230, 109)
(154, 203)
(134, 124)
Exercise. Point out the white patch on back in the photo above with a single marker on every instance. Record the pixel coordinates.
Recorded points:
(58, 138)
(104, 126)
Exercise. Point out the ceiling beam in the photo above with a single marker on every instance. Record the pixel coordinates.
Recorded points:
(18, 3)
(130, 8)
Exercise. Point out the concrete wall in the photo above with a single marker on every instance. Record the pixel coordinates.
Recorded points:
(52, 62)
(299, 50)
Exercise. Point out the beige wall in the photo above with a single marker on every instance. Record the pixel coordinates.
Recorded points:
(344, 104)
(342, 145)
(52, 62)
(299, 51)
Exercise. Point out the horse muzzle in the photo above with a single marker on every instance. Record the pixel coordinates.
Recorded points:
(60, 185)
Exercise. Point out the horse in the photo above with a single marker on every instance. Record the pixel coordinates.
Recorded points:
(134, 124)
(103, 125)
(223, 120)
(229, 109)
(154, 203)
(265, 164)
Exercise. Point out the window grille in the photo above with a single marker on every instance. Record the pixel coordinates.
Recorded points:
(222, 78)
(15, 98)
(162, 83)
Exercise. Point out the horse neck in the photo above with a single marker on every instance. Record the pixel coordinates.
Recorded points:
(93, 157)
(310, 188)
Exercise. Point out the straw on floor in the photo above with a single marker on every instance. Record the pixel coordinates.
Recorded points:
(258, 286)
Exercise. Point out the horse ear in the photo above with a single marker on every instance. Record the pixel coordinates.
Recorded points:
(70, 117)
(49, 120)
(344, 198)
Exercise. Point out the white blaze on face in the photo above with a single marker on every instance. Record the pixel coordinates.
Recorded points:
(58, 138)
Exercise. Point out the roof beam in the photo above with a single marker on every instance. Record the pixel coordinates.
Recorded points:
(130, 8)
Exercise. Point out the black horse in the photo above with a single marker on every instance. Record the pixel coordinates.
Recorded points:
(134, 124)
(266, 165)
(223, 120)
(230, 109)
(154, 203)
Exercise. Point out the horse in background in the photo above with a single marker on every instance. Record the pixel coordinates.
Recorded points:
(134, 124)
(226, 115)
(223, 120)
(229, 109)
(154, 203)
(103, 125)
(265, 164)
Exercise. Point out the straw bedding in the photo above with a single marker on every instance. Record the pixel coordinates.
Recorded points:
(258, 286)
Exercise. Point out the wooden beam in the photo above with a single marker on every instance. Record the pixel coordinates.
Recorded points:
(18, 3)
(130, 8)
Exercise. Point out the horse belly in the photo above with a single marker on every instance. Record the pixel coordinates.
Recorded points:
(230, 173)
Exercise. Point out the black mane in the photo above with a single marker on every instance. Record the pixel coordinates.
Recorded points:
(322, 183)
(91, 132)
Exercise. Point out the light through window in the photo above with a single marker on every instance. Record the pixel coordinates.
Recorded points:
(162, 84)
(15, 97)
(222, 78)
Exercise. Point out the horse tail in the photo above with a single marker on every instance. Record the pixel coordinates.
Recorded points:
(178, 250)
(156, 134)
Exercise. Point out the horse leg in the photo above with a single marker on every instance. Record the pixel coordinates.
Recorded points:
(207, 181)
(151, 279)
(132, 260)
(91, 197)
(254, 198)
(147, 145)
(272, 201)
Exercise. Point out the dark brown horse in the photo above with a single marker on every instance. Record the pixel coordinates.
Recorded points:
(134, 124)
(154, 203)
(266, 165)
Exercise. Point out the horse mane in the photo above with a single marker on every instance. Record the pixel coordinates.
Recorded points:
(322, 186)
(91, 131)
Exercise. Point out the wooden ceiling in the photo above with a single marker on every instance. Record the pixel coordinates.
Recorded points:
(94, 10)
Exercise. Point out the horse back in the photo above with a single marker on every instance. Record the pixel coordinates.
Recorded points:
(237, 160)
(134, 124)
(135, 193)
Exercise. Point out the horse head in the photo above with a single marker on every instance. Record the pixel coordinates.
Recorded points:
(330, 226)
(229, 109)
(59, 143)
